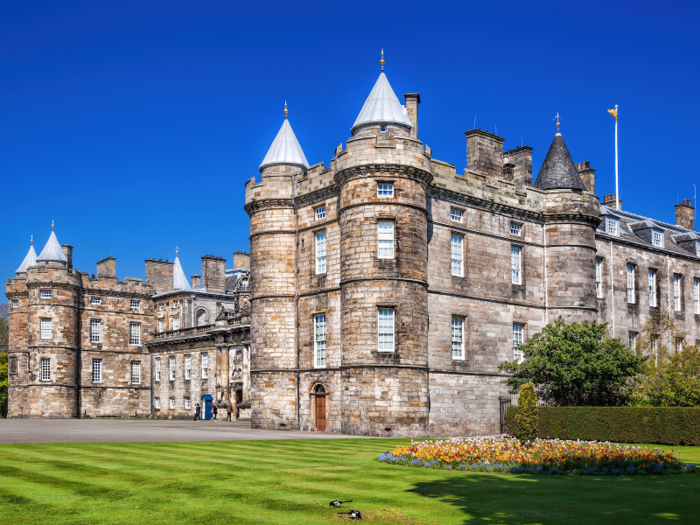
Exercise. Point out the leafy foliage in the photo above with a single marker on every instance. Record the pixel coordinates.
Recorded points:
(659, 335)
(527, 419)
(575, 365)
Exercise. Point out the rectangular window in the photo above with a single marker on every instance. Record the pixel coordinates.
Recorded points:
(46, 328)
(633, 340)
(172, 403)
(95, 330)
(176, 304)
(15, 304)
(205, 366)
(161, 307)
(679, 344)
(696, 295)
(385, 239)
(654, 348)
(515, 264)
(157, 360)
(97, 370)
(46, 294)
(161, 325)
(517, 341)
(134, 333)
(630, 284)
(385, 190)
(156, 403)
(95, 300)
(321, 252)
(46, 369)
(677, 292)
(176, 323)
(134, 304)
(657, 238)
(320, 341)
(457, 338)
(320, 213)
(188, 367)
(456, 215)
(611, 226)
(188, 403)
(135, 372)
(515, 228)
(386, 329)
(172, 368)
(652, 288)
(599, 278)
(457, 255)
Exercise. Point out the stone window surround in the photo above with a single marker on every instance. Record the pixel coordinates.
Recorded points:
(460, 215)
(312, 399)
(462, 237)
(521, 258)
(313, 341)
(522, 324)
(95, 300)
(463, 318)
(633, 298)
(95, 338)
(391, 182)
(677, 284)
(15, 304)
(46, 328)
(45, 369)
(321, 208)
(131, 334)
(45, 294)
(316, 260)
(157, 366)
(97, 370)
(655, 292)
(135, 372)
(385, 217)
(387, 306)
(188, 367)
(520, 227)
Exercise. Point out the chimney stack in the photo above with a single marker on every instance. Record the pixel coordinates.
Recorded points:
(588, 176)
(241, 261)
(107, 267)
(196, 281)
(412, 102)
(159, 274)
(485, 153)
(68, 252)
(685, 215)
(214, 274)
(609, 200)
(521, 160)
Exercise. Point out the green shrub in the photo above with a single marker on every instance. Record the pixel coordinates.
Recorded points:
(526, 417)
(667, 426)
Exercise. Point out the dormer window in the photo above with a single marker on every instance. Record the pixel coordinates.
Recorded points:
(612, 226)
(697, 248)
(382, 127)
(657, 238)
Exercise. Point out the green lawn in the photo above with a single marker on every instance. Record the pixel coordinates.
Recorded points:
(291, 482)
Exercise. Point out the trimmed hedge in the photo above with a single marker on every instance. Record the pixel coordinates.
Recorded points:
(668, 426)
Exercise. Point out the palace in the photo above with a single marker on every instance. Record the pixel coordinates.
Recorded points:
(383, 291)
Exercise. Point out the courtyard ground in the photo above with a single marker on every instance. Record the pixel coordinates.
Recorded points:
(292, 481)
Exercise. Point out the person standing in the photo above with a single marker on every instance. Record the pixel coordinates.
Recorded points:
(214, 411)
(229, 409)
(197, 411)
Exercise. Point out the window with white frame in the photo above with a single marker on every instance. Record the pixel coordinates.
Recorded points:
(188, 403)
(652, 287)
(320, 341)
(172, 403)
(321, 252)
(46, 328)
(188, 367)
(46, 294)
(156, 403)
(134, 304)
(320, 213)
(599, 278)
(95, 300)
(515, 265)
(161, 307)
(176, 323)
(157, 361)
(679, 344)
(517, 341)
(176, 304)
(95, 330)
(515, 228)
(135, 372)
(633, 340)
(385, 239)
(205, 366)
(46, 369)
(657, 238)
(97, 370)
(15, 304)
(386, 329)
(630, 284)
(134, 333)
(612, 226)
(696, 295)
(172, 368)
(161, 325)
(385, 190)
(677, 292)
(697, 248)
(456, 215)
(457, 252)
(457, 338)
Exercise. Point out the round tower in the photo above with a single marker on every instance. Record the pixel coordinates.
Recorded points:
(382, 212)
(273, 273)
(572, 215)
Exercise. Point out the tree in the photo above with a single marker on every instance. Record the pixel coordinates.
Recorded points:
(4, 344)
(527, 418)
(574, 365)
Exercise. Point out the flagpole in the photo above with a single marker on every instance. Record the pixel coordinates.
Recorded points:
(617, 188)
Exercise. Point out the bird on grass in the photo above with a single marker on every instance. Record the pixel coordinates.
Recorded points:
(354, 514)
(338, 503)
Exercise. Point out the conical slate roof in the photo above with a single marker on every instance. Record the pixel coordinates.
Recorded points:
(180, 281)
(558, 170)
(285, 149)
(29, 260)
(382, 107)
(52, 251)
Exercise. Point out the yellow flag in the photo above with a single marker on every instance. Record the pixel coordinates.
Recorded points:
(613, 112)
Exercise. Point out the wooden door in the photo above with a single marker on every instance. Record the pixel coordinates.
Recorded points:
(320, 413)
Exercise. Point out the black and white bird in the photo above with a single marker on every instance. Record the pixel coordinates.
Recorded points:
(338, 503)
(354, 514)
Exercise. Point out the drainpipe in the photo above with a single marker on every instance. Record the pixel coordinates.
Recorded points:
(296, 292)
(612, 289)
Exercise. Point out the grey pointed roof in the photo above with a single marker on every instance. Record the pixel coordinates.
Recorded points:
(558, 170)
(382, 107)
(52, 251)
(180, 281)
(285, 149)
(29, 260)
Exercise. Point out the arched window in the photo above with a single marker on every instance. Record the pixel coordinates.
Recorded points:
(202, 317)
(320, 390)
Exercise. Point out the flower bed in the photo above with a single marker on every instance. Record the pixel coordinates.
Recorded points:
(541, 457)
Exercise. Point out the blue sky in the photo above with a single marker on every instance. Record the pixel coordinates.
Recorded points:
(134, 125)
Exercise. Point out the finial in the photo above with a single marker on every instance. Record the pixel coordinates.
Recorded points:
(51, 224)
(285, 109)
(557, 118)
(177, 250)
(382, 60)
(31, 239)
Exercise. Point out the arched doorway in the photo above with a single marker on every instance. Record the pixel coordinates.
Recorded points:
(320, 397)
